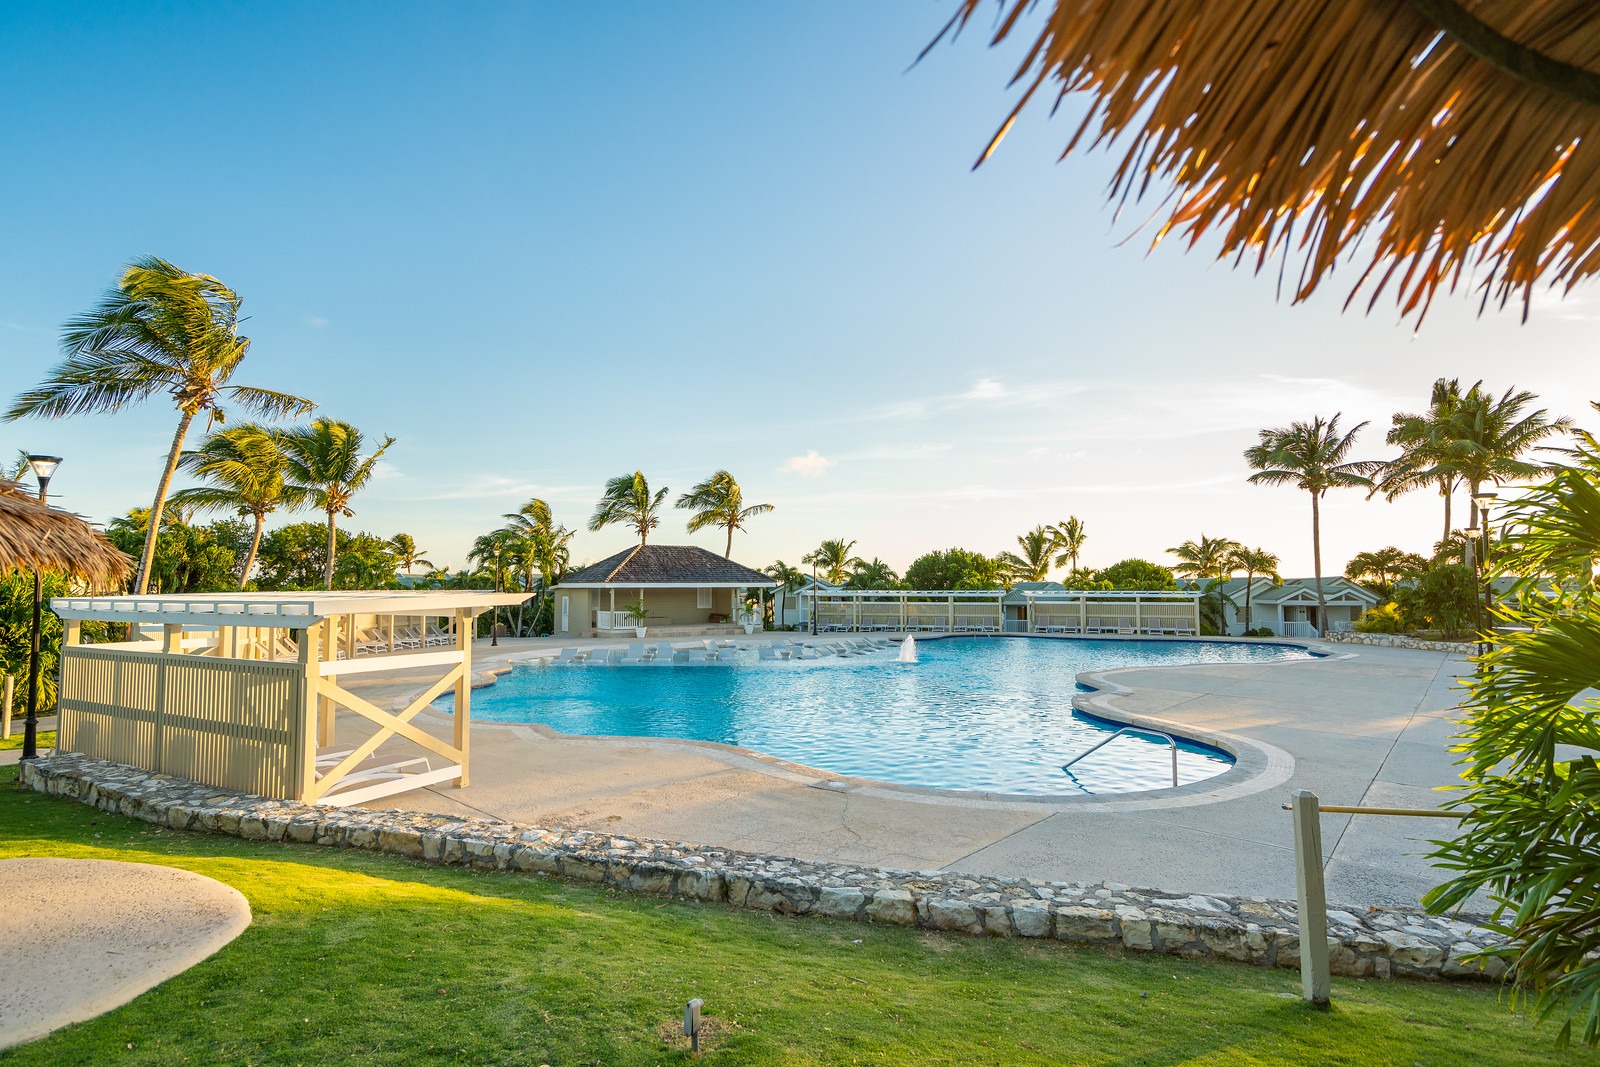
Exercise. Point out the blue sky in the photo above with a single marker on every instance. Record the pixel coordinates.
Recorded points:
(545, 244)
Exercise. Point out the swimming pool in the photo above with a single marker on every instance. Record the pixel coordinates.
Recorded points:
(989, 714)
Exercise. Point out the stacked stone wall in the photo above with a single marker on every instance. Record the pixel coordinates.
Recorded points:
(1378, 942)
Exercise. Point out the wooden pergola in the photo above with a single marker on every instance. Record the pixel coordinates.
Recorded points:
(241, 690)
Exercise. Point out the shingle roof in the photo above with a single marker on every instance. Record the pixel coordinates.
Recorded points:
(668, 565)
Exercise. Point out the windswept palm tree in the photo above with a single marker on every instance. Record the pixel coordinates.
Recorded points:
(1256, 563)
(1069, 537)
(834, 560)
(1424, 442)
(1033, 564)
(324, 461)
(718, 501)
(406, 553)
(245, 469)
(1209, 557)
(1490, 439)
(785, 575)
(541, 545)
(1312, 456)
(628, 500)
(161, 330)
(1383, 569)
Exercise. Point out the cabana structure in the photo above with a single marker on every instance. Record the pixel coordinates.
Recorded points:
(240, 690)
(982, 611)
(686, 591)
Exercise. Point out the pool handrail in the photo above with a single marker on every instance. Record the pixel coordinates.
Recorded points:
(1168, 738)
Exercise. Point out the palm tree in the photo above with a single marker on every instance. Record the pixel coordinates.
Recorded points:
(874, 574)
(161, 330)
(1254, 562)
(246, 472)
(539, 544)
(1069, 538)
(324, 461)
(1383, 569)
(1209, 557)
(1311, 456)
(1489, 438)
(1033, 565)
(627, 499)
(833, 559)
(718, 501)
(1423, 441)
(406, 553)
(785, 575)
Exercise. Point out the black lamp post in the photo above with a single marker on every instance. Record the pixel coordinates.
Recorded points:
(43, 467)
(813, 598)
(1483, 501)
(494, 619)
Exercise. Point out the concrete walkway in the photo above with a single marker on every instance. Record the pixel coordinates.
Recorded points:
(1369, 726)
(85, 936)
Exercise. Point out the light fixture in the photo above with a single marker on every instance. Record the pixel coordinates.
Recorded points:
(43, 468)
(1484, 501)
(1472, 532)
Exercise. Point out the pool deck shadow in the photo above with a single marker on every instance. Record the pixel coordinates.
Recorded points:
(1364, 726)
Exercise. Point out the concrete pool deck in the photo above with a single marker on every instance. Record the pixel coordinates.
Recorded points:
(1366, 725)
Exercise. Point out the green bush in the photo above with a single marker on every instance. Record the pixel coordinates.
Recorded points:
(1260, 631)
(1444, 598)
(1383, 619)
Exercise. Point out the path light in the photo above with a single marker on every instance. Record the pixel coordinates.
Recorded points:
(691, 1024)
(43, 467)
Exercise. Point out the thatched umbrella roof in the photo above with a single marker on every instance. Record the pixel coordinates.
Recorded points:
(35, 537)
(1435, 141)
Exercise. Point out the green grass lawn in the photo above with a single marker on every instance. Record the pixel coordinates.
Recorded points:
(46, 738)
(363, 959)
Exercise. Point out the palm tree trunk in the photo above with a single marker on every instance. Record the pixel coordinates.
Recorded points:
(327, 566)
(728, 554)
(148, 556)
(1249, 580)
(1445, 487)
(255, 546)
(1316, 559)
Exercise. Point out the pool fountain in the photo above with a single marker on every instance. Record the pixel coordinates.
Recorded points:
(908, 650)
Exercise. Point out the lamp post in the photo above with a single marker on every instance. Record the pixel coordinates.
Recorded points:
(494, 620)
(813, 598)
(43, 467)
(1469, 549)
(1483, 501)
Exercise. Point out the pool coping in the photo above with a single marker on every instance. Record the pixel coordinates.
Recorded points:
(1257, 766)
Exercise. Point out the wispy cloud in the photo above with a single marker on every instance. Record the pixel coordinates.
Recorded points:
(810, 465)
(493, 486)
(317, 321)
(384, 471)
(985, 389)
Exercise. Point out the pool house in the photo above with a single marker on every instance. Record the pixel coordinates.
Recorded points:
(685, 591)
(241, 690)
(1172, 613)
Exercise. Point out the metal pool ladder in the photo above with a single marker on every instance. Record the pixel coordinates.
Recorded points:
(1168, 738)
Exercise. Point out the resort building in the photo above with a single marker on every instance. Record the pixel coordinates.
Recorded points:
(791, 607)
(1290, 609)
(684, 591)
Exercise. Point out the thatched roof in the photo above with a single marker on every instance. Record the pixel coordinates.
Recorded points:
(35, 537)
(1454, 141)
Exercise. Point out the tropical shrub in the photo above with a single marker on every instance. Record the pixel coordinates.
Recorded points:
(1443, 598)
(954, 568)
(1529, 835)
(1383, 619)
(1260, 631)
(1137, 574)
(187, 559)
(16, 634)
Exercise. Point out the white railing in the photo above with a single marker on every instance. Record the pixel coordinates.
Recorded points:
(1299, 629)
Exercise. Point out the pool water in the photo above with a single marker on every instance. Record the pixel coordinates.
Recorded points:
(982, 713)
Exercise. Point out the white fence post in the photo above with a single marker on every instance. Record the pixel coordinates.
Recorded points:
(1312, 897)
(5, 710)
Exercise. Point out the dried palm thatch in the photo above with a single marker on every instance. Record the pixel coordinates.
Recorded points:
(35, 537)
(1438, 141)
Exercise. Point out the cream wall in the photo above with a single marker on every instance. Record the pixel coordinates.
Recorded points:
(667, 607)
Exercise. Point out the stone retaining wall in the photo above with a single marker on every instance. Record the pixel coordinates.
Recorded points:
(1380, 942)
(1351, 637)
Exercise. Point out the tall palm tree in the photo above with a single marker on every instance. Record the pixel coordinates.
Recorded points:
(406, 553)
(718, 501)
(1255, 562)
(1424, 442)
(161, 330)
(1209, 557)
(1069, 537)
(1033, 565)
(1490, 437)
(1312, 456)
(833, 559)
(1383, 569)
(245, 470)
(324, 461)
(628, 500)
(785, 575)
(540, 545)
